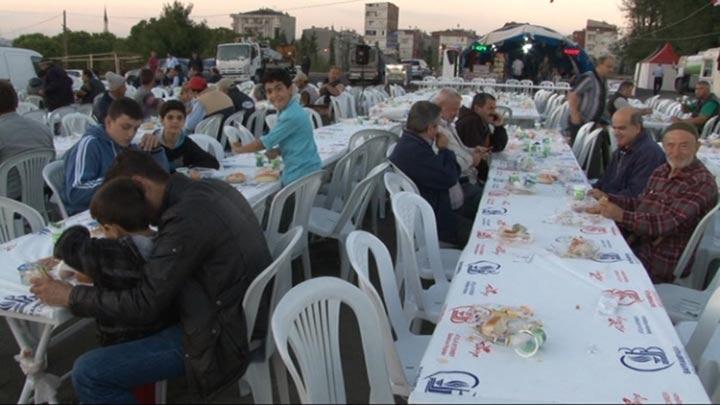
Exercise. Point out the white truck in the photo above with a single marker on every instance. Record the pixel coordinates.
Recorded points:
(702, 66)
(241, 61)
(18, 65)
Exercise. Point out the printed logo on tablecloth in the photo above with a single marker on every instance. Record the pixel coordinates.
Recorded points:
(644, 359)
(466, 314)
(499, 250)
(625, 297)
(672, 399)
(483, 267)
(597, 275)
(607, 257)
(494, 211)
(653, 299)
(479, 249)
(8, 246)
(643, 325)
(622, 276)
(498, 193)
(23, 304)
(452, 383)
(682, 361)
(593, 230)
(617, 322)
(484, 234)
(527, 257)
(480, 348)
(449, 349)
(636, 399)
(490, 290)
(469, 288)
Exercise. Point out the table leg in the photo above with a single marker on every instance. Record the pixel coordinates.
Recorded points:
(33, 369)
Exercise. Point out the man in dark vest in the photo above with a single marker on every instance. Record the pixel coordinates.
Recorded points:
(706, 106)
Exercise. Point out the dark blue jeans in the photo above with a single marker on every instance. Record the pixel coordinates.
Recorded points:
(108, 374)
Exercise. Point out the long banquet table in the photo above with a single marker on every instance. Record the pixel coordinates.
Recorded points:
(21, 308)
(631, 356)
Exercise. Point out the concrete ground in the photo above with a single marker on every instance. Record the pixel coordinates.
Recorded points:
(325, 262)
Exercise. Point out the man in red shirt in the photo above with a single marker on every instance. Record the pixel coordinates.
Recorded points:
(678, 195)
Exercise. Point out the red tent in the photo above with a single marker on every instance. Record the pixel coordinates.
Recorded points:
(664, 56)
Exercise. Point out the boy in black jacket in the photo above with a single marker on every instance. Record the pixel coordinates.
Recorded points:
(115, 262)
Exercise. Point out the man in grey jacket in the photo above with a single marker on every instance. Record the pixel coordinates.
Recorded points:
(201, 265)
(18, 134)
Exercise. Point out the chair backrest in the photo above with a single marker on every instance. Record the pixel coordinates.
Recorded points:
(304, 190)
(235, 119)
(652, 101)
(307, 320)
(588, 144)
(353, 167)
(692, 244)
(25, 107)
(210, 126)
(357, 202)
(236, 134)
(256, 122)
(29, 167)
(360, 245)
(8, 209)
(209, 145)
(130, 90)
(709, 126)
(550, 104)
(271, 120)
(86, 109)
(505, 112)
(76, 124)
(563, 86)
(54, 175)
(40, 116)
(419, 243)
(397, 182)
(338, 109)
(280, 269)
(580, 139)
(706, 326)
(56, 116)
(34, 99)
(159, 92)
(547, 84)
(315, 117)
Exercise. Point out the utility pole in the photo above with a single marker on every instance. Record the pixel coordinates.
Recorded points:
(64, 27)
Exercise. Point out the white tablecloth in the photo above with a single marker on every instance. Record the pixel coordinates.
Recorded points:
(633, 355)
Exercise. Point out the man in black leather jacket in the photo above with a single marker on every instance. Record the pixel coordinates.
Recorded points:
(208, 250)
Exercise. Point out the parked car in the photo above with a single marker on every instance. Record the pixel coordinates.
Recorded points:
(418, 68)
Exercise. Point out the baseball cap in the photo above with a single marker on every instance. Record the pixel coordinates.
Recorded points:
(115, 81)
(197, 83)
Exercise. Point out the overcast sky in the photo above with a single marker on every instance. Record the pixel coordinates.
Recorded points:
(20, 17)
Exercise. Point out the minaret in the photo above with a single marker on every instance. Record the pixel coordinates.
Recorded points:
(105, 21)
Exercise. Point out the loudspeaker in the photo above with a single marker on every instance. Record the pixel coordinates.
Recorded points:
(362, 54)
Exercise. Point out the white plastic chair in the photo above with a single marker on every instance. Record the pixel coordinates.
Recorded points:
(586, 153)
(304, 191)
(415, 222)
(580, 137)
(210, 126)
(329, 223)
(235, 134)
(76, 124)
(682, 301)
(25, 107)
(708, 127)
(130, 90)
(397, 182)
(702, 343)
(403, 352)
(160, 92)
(55, 117)
(34, 99)
(256, 122)
(506, 112)
(29, 167)
(550, 104)
(259, 210)
(257, 375)
(8, 209)
(86, 109)
(307, 320)
(338, 109)
(209, 145)
(315, 117)
(54, 175)
(235, 119)
(271, 120)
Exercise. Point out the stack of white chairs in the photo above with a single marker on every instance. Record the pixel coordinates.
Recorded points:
(55, 117)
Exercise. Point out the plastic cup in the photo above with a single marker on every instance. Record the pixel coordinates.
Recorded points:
(608, 303)
(528, 342)
(579, 192)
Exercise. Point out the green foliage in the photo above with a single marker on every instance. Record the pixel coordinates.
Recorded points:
(43, 44)
(654, 22)
(331, 57)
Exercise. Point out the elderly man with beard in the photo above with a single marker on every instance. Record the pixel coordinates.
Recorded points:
(659, 222)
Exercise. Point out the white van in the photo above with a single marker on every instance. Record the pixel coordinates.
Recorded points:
(18, 65)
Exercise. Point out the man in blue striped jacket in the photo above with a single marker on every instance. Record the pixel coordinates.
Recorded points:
(88, 161)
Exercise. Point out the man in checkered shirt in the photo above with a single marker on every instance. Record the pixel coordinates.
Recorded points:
(659, 222)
